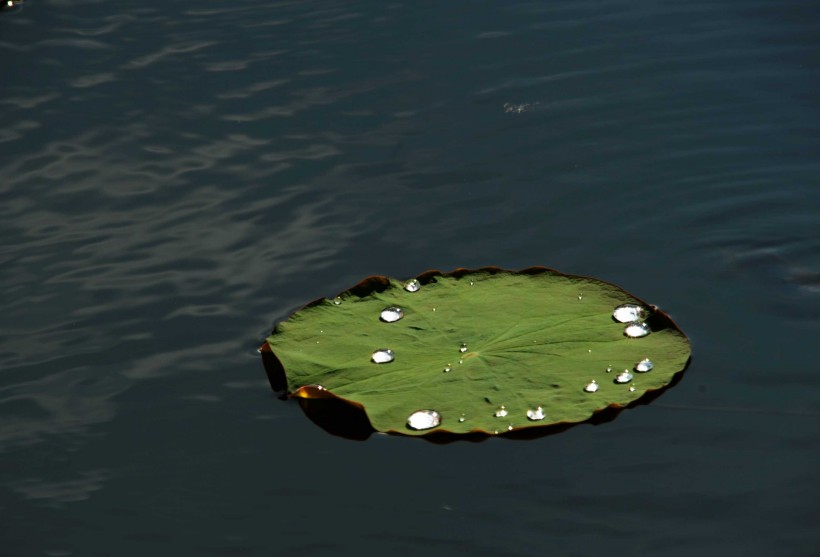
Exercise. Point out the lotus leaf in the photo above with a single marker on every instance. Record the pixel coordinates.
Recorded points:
(484, 350)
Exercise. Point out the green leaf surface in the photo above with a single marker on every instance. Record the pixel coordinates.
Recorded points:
(534, 338)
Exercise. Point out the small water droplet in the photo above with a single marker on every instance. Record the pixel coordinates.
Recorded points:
(501, 412)
(448, 369)
(629, 313)
(423, 419)
(644, 365)
(590, 350)
(592, 386)
(462, 418)
(434, 309)
(623, 377)
(383, 356)
(631, 388)
(463, 347)
(391, 314)
(337, 300)
(609, 369)
(580, 297)
(461, 361)
(412, 285)
(637, 330)
(509, 427)
(535, 415)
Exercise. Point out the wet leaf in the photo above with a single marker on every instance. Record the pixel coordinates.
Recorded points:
(484, 350)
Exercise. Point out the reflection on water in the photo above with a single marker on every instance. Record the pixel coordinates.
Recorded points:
(173, 179)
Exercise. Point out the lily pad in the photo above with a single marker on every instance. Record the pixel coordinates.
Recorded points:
(486, 350)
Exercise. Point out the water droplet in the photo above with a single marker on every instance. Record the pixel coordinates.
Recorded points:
(592, 386)
(434, 309)
(463, 347)
(471, 283)
(535, 415)
(623, 377)
(423, 419)
(590, 350)
(462, 418)
(501, 412)
(412, 285)
(644, 365)
(637, 330)
(609, 369)
(629, 313)
(383, 356)
(460, 361)
(448, 369)
(391, 314)
(631, 388)
(580, 297)
(337, 300)
(509, 427)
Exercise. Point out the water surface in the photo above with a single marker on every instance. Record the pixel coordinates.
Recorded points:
(174, 179)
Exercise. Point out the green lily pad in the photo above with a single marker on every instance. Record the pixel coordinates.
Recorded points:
(484, 350)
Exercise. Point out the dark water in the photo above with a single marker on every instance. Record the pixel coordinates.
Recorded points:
(176, 177)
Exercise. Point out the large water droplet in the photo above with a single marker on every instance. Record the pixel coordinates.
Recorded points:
(423, 419)
(383, 356)
(501, 412)
(637, 330)
(412, 285)
(463, 347)
(644, 365)
(391, 314)
(623, 377)
(629, 313)
(535, 415)
(592, 386)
